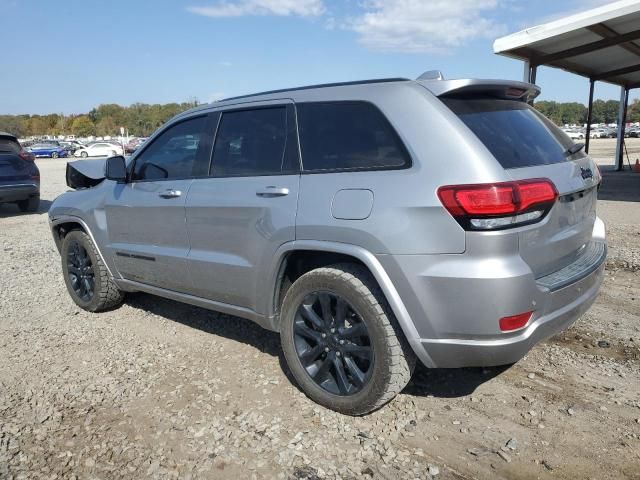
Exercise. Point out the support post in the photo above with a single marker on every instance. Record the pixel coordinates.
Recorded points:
(526, 72)
(622, 117)
(529, 73)
(589, 115)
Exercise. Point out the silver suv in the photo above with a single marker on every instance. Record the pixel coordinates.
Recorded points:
(371, 224)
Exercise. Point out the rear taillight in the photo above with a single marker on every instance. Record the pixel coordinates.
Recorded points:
(24, 155)
(514, 322)
(495, 206)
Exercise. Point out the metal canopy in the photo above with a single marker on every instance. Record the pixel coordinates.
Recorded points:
(602, 44)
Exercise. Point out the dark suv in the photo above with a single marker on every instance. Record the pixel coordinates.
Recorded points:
(19, 175)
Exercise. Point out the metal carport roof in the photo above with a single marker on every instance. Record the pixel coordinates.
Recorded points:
(602, 44)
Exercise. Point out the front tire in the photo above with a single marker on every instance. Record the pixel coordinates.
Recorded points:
(54, 155)
(342, 342)
(84, 154)
(86, 276)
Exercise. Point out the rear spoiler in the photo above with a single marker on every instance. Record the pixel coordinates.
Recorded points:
(467, 87)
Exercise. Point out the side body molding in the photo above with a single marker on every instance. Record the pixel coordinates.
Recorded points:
(379, 273)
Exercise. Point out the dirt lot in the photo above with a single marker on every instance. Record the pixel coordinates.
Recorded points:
(160, 389)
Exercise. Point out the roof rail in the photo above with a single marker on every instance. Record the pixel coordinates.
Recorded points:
(431, 75)
(324, 85)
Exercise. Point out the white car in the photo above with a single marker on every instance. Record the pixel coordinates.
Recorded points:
(574, 134)
(99, 149)
(600, 133)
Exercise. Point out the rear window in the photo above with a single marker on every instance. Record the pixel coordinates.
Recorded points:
(514, 132)
(348, 136)
(8, 145)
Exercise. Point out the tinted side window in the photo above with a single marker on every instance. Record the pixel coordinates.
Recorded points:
(348, 136)
(515, 133)
(250, 143)
(8, 145)
(172, 154)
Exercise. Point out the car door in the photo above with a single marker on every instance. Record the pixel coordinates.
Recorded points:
(102, 149)
(93, 150)
(239, 216)
(145, 217)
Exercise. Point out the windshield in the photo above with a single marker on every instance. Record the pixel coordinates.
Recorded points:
(515, 133)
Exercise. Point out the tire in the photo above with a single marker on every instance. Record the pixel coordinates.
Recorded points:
(84, 154)
(113, 153)
(29, 205)
(105, 294)
(391, 360)
(54, 154)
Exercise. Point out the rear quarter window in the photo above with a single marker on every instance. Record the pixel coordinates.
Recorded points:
(336, 136)
(515, 133)
(8, 145)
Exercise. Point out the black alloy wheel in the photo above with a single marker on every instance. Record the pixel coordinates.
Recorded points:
(80, 271)
(333, 344)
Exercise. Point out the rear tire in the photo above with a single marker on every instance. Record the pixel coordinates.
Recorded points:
(29, 205)
(86, 276)
(54, 155)
(391, 360)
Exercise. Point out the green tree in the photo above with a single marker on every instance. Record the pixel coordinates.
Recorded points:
(83, 126)
(106, 126)
(633, 112)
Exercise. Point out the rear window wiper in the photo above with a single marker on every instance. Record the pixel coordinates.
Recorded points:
(573, 149)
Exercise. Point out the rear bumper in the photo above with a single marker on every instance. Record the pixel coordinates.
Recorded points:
(455, 302)
(565, 306)
(18, 191)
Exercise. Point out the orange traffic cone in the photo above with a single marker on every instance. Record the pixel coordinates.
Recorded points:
(636, 167)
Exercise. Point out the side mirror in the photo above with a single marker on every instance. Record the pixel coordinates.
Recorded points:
(115, 168)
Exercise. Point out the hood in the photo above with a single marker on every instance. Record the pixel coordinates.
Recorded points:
(85, 173)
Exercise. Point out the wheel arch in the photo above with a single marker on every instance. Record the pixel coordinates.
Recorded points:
(343, 251)
(60, 226)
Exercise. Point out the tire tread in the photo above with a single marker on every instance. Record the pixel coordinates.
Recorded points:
(400, 358)
(109, 295)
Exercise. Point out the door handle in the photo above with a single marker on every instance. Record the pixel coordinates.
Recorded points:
(272, 191)
(171, 193)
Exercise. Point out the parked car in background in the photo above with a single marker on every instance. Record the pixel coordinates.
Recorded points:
(602, 133)
(574, 134)
(48, 150)
(99, 149)
(134, 144)
(71, 146)
(19, 175)
(633, 132)
(445, 221)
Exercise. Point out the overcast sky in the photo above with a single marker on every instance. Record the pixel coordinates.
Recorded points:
(72, 55)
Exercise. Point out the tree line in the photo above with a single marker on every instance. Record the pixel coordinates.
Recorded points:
(573, 113)
(142, 119)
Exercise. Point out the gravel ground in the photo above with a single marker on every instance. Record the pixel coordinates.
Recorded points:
(157, 389)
